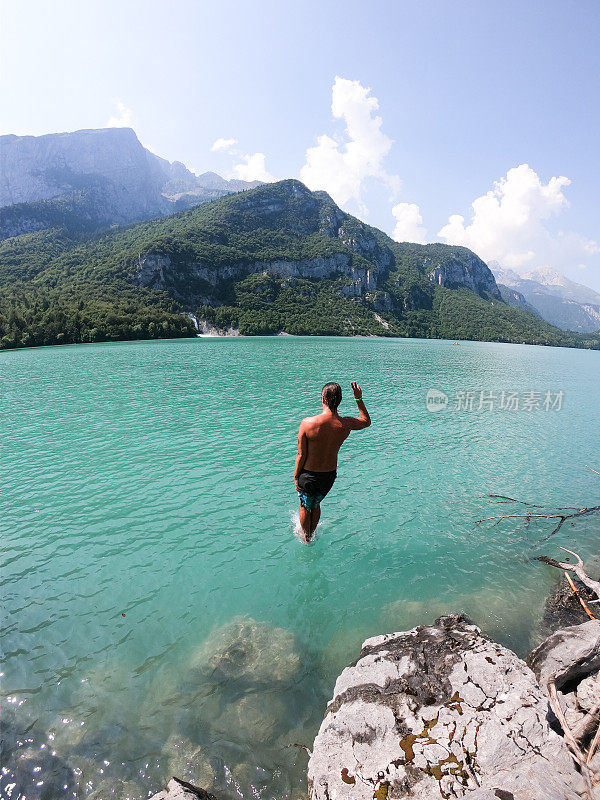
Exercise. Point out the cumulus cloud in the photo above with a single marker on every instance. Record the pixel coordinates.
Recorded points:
(409, 224)
(223, 144)
(252, 168)
(513, 224)
(341, 167)
(124, 119)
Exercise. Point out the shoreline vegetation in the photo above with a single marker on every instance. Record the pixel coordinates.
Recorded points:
(283, 334)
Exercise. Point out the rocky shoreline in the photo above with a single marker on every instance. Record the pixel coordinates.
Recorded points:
(439, 710)
(443, 711)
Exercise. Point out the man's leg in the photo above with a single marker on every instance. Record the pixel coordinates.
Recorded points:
(314, 518)
(305, 521)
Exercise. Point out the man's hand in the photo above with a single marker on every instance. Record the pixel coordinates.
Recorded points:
(297, 485)
(357, 390)
(363, 420)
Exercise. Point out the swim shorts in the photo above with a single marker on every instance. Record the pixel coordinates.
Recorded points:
(314, 486)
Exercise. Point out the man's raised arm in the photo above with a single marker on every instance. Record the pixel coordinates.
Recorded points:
(363, 420)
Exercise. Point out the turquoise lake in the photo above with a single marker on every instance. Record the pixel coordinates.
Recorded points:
(159, 615)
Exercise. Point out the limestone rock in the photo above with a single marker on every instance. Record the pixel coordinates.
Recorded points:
(195, 280)
(588, 692)
(436, 711)
(133, 182)
(470, 272)
(569, 654)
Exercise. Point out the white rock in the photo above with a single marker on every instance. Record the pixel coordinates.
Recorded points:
(439, 709)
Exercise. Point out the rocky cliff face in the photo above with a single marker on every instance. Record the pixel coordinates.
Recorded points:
(469, 272)
(515, 299)
(439, 711)
(196, 283)
(34, 168)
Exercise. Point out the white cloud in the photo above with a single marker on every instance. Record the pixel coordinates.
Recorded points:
(123, 120)
(409, 224)
(341, 167)
(252, 168)
(223, 144)
(513, 224)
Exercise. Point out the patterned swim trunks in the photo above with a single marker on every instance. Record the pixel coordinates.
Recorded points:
(314, 486)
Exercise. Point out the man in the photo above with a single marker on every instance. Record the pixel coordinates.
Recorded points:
(319, 442)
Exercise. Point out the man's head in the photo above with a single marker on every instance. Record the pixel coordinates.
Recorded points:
(331, 395)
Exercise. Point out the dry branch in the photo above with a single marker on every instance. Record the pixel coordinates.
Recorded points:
(562, 518)
(577, 568)
(575, 737)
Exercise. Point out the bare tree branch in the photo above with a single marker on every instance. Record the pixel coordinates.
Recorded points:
(580, 732)
(577, 568)
(562, 518)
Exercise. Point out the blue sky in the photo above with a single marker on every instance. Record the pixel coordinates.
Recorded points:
(467, 92)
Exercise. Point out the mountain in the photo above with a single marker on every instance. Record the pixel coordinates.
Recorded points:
(515, 299)
(558, 300)
(94, 178)
(562, 286)
(277, 258)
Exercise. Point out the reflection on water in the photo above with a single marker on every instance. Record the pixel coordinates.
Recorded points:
(160, 616)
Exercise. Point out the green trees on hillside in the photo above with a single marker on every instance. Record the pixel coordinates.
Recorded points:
(31, 317)
(66, 284)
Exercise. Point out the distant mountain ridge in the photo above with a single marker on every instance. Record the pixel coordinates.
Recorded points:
(105, 174)
(556, 298)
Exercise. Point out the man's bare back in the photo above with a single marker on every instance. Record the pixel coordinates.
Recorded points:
(319, 442)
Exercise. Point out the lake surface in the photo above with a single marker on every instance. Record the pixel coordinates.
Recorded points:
(160, 617)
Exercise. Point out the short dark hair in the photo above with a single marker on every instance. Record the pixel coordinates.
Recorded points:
(331, 395)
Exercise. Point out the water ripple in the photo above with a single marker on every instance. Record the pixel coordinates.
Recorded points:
(143, 515)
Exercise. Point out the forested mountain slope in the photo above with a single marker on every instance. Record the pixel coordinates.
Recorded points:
(276, 258)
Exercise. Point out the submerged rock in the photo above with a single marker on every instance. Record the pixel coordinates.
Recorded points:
(190, 761)
(494, 612)
(177, 789)
(439, 711)
(245, 650)
(254, 717)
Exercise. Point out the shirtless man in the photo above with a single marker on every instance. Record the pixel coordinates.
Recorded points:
(319, 441)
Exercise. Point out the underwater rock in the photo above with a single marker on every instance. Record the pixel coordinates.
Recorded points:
(177, 789)
(118, 790)
(31, 770)
(189, 761)
(439, 711)
(254, 717)
(245, 650)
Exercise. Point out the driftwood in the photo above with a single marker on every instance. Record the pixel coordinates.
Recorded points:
(562, 518)
(577, 736)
